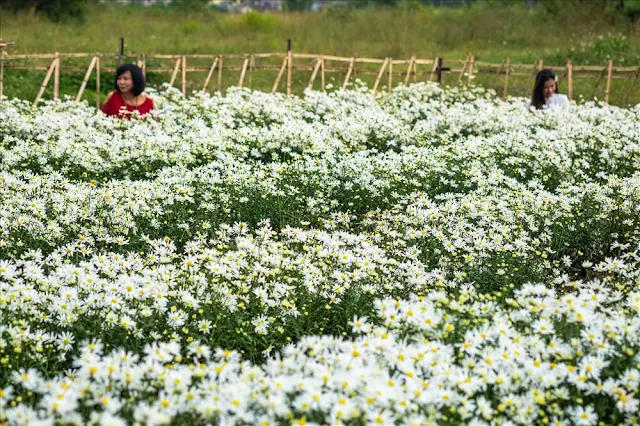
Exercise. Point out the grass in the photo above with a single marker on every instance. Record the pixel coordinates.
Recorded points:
(585, 34)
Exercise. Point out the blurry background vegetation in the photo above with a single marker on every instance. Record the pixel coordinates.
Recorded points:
(589, 32)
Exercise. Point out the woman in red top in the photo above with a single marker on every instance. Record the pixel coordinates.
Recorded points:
(128, 96)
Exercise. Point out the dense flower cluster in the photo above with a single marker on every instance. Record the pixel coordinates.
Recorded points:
(538, 358)
(338, 258)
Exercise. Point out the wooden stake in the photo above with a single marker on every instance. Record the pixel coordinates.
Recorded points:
(121, 52)
(322, 75)
(434, 69)
(284, 64)
(98, 82)
(609, 72)
(56, 79)
(384, 65)
(390, 74)
(439, 68)
(412, 61)
(315, 72)
(626, 97)
(220, 73)
(289, 67)
(415, 70)
(46, 81)
(252, 65)
(471, 63)
(505, 90)
(570, 80)
(464, 68)
(184, 76)
(86, 78)
(349, 71)
(144, 65)
(175, 72)
(1, 75)
(355, 66)
(245, 64)
(206, 82)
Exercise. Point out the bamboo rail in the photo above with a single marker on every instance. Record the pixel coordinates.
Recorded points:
(350, 67)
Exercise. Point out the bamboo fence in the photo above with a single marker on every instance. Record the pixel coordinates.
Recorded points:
(395, 70)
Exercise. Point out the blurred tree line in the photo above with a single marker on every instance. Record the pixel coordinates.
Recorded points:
(56, 10)
(59, 10)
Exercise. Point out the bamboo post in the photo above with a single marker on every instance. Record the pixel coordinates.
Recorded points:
(390, 74)
(409, 69)
(45, 82)
(56, 78)
(220, 74)
(415, 70)
(121, 52)
(284, 64)
(434, 69)
(635, 78)
(464, 68)
(252, 65)
(380, 73)
(184, 75)
(322, 75)
(355, 66)
(505, 90)
(175, 72)
(86, 79)
(471, 64)
(570, 79)
(349, 71)
(289, 67)
(144, 65)
(1, 75)
(608, 88)
(206, 81)
(245, 64)
(316, 68)
(439, 63)
(98, 82)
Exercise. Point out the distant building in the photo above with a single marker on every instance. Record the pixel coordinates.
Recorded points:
(265, 5)
(140, 2)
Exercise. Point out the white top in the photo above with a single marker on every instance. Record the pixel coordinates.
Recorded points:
(555, 100)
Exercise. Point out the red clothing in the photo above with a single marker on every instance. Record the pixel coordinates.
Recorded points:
(117, 106)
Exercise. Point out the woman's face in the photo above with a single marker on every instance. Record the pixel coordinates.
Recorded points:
(549, 88)
(125, 82)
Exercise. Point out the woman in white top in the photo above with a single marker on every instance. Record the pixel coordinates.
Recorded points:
(545, 91)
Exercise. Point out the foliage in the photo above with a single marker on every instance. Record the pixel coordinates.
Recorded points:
(56, 10)
(631, 8)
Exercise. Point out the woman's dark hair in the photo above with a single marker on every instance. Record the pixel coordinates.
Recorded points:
(137, 77)
(537, 98)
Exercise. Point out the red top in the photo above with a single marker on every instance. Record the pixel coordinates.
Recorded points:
(118, 107)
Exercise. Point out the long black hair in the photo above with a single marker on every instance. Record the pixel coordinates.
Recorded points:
(537, 97)
(139, 83)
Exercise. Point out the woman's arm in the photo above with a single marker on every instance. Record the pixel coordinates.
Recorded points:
(106, 107)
